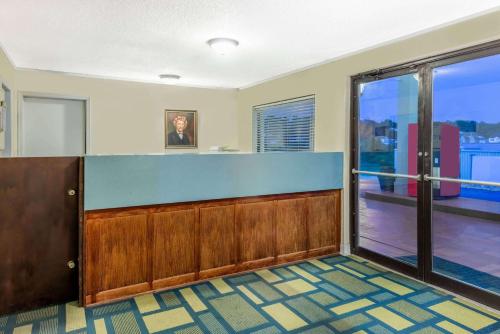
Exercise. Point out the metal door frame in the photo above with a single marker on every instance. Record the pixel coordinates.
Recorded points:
(424, 68)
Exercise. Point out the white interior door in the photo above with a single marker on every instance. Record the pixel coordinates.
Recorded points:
(52, 127)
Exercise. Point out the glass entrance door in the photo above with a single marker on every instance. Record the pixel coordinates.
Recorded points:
(386, 170)
(465, 173)
(425, 191)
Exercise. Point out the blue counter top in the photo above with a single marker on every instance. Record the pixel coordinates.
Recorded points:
(132, 180)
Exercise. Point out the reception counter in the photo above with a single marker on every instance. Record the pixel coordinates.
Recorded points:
(157, 221)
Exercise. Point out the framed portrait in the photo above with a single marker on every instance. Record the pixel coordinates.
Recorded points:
(181, 129)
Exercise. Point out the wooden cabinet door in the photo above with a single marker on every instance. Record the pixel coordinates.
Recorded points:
(122, 251)
(217, 241)
(323, 223)
(291, 229)
(116, 262)
(174, 247)
(256, 233)
(38, 232)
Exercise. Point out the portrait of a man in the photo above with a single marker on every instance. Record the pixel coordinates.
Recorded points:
(181, 129)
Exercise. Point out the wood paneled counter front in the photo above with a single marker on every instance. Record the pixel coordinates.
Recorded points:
(134, 250)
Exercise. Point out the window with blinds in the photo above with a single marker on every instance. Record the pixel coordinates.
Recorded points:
(286, 126)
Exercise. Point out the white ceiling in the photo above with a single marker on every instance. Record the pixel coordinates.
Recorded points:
(139, 39)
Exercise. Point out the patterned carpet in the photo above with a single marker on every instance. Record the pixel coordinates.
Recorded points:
(331, 295)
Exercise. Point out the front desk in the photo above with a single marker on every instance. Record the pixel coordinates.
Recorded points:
(157, 221)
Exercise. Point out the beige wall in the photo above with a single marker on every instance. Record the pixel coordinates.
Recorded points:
(6, 69)
(330, 84)
(128, 117)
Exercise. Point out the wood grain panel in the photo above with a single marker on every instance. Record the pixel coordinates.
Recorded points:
(181, 243)
(38, 232)
(174, 243)
(322, 218)
(217, 245)
(173, 281)
(256, 231)
(91, 261)
(291, 227)
(125, 291)
(122, 252)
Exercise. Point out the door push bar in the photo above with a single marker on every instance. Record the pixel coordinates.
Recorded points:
(447, 179)
(406, 176)
(428, 178)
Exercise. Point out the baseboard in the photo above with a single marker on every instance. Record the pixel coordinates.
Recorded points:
(345, 249)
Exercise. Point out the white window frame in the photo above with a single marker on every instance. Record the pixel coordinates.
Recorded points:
(256, 109)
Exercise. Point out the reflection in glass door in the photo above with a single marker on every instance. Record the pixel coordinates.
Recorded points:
(466, 149)
(386, 171)
(425, 161)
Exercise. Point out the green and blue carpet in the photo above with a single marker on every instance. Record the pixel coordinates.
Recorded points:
(329, 295)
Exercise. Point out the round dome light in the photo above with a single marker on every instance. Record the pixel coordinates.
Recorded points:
(170, 76)
(223, 45)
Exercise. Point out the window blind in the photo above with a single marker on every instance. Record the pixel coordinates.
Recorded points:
(286, 126)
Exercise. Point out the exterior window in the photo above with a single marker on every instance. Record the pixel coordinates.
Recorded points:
(286, 126)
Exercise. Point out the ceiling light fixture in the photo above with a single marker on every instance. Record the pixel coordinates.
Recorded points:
(223, 45)
(170, 76)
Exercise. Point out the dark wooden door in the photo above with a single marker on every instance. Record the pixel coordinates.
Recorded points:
(38, 231)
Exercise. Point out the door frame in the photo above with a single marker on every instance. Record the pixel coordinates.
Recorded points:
(354, 191)
(423, 67)
(20, 110)
(432, 277)
(8, 117)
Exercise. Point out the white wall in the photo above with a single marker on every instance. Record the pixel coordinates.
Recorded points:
(331, 85)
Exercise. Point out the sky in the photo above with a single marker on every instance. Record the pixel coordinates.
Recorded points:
(463, 91)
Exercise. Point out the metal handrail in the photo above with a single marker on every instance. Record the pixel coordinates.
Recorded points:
(447, 179)
(406, 176)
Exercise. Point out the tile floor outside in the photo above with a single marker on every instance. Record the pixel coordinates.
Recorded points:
(390, 228)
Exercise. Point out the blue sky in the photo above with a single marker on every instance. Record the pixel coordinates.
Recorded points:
(464, 91)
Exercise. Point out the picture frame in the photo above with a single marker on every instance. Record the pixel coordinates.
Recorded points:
(181, 129)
